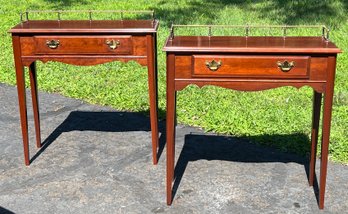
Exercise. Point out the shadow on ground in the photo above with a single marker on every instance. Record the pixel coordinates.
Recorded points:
(5, 211)
(104, 122)
(212, 147)
(196, 146)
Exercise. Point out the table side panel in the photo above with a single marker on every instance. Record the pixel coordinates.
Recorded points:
(183, 66)
(318, 68)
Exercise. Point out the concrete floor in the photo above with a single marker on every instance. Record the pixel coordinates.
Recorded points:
(98, 160)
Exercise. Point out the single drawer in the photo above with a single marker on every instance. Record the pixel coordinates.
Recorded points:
(83, 45)
(253, 66)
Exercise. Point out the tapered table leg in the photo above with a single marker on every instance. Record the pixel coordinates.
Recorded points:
(315, 130)
(21, 96)
(327, 111)
(170, 125)
(152, 81)
(34, 96)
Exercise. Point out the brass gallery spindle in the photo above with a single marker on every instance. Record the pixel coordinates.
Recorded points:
(171, 36)
(284, 31)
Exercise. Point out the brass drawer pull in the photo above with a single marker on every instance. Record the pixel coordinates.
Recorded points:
(213, 65)
(53, 44)
(113, 44)
(285, 66)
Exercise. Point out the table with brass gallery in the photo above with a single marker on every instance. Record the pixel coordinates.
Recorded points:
(253, 63)
(83, 42)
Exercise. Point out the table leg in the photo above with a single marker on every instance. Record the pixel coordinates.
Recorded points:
(21, 96)
(152, 81)
(34, 96)
(315, 130)
(327, 112)
(170, 126)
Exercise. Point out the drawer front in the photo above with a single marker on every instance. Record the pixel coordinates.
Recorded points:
(83, 45)
(253, 66)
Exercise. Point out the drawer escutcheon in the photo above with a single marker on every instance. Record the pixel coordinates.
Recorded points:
(213, 65)
(286, 66)
(113, 44)
(53, 44)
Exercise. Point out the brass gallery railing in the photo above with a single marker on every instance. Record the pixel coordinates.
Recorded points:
(26, 15)
(247, 28)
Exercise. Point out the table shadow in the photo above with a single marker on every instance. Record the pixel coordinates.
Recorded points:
(5, 211)
(104, 122)
(214, 147)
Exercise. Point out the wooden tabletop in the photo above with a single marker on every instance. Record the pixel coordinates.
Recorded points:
(252, 44)
(86, 26)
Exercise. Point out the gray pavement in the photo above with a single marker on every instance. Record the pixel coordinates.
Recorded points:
(98, 160)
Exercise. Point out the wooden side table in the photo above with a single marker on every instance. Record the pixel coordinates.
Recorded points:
(83, 42)
(251, 63)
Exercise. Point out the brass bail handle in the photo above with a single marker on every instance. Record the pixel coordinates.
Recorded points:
(113, 44)
(285, 66)
(53, 44)
(213, 65)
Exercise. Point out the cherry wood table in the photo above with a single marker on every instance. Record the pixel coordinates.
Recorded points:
(83, 42)
(251, 63)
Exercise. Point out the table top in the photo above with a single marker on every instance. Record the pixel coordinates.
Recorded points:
(86, 26)
(251, 44)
